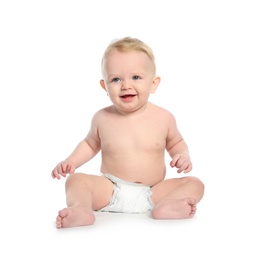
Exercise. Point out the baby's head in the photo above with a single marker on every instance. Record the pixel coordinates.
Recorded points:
(128, 44)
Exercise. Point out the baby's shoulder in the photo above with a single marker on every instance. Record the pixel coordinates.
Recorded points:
(103, 112)
(161, 111)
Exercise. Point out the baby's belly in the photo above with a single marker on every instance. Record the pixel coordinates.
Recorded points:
(145, 172)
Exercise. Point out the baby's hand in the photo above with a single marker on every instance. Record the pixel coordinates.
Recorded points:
(182, 162)
(62, 169)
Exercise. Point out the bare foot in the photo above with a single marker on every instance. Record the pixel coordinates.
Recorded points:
(74, 216)
(174, 209)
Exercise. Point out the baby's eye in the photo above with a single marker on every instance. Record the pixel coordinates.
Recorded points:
(135, 77)
(116, 79)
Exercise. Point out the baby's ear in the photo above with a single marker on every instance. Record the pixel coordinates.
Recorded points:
(155, 83)
(102, 83)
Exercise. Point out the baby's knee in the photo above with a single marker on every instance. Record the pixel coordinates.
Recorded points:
(198, 184)
(76, 178)
(197, 181)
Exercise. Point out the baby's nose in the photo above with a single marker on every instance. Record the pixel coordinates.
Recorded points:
(126, 84)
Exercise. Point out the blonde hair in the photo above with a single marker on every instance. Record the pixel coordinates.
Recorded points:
(129, 44)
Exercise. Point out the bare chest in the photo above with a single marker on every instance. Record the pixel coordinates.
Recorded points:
(125, 135)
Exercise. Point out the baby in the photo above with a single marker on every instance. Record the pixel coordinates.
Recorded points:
(133, 135)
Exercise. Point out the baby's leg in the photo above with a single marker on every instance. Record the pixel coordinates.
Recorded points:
(84, 193)
(176, 198)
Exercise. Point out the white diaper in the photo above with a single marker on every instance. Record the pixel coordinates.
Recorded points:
(128, 197)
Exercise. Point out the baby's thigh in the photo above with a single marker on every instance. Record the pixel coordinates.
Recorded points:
(102, 192)
(160, 190)
(99, 187)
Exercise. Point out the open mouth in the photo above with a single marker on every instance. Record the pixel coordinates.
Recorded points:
(127, 97)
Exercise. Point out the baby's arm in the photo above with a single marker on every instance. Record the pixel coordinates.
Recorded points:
(83, 152)
(180, 157)
(178, 149)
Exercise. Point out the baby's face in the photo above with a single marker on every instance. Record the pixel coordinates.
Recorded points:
(128, 79)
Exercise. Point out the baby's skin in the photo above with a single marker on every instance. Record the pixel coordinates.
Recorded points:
(133, 136)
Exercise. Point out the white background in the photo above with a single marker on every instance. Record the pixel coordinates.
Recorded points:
(209, 56)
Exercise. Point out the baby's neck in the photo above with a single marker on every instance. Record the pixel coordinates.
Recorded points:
(136, 112)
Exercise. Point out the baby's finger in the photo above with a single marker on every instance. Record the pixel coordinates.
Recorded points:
(174, 160)
(60, 171)
(64, 168)
(189, 168)
(55, 174)
(71, 169)
(183, 167)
